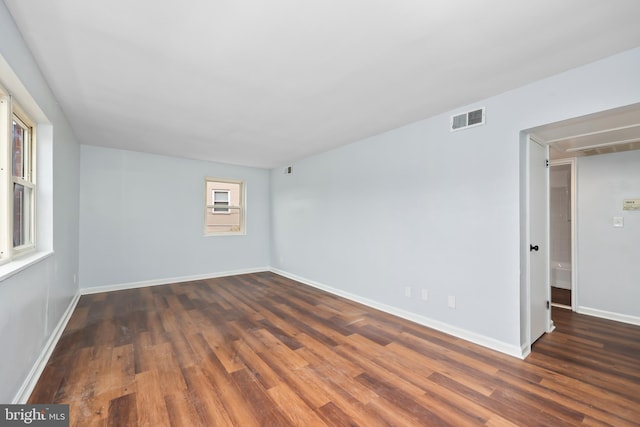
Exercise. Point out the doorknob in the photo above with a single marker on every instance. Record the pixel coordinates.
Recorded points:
(533, 248)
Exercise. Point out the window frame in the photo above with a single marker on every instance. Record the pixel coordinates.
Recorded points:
(209, 209)
(11, 112)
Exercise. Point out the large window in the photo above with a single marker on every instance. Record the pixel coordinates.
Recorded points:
(17, 180)
(224, 206)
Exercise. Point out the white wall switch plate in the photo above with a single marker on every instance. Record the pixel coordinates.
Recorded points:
(407, 292)
(425, 295)
(452, 301)
(618, 221)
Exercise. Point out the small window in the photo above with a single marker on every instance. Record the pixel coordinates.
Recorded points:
(224, 209)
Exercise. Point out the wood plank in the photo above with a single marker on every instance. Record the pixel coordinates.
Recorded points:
(181, 410)
(123, 411)
(259, 369)
(264, 408)
(168, 369)
(205, 399)
(220, 380)
(298, 413)
(151, 408)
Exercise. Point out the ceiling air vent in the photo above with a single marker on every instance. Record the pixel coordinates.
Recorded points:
(467, 120)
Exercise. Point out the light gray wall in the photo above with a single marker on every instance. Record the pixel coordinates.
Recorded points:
(420, 206)
(33, 301)
(142, 219)
(608, 267)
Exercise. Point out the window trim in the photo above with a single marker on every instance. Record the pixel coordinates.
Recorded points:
(242, 206)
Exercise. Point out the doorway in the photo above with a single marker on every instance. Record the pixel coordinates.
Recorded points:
(604, 132)
(561, 232)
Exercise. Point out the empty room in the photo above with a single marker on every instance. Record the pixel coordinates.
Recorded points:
(287, 213)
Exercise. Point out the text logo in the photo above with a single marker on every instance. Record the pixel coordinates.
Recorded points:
(34, 415)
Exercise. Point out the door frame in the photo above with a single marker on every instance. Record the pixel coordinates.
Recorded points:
(574, 217)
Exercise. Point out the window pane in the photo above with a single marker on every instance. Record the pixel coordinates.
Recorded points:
(229, 223)
(221, 196)
(221, 210)
(22, 233)
(18, 148)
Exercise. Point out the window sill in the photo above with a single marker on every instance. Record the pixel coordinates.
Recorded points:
(230, 233)
(21, 263)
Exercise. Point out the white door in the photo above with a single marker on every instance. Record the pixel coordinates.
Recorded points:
(539, 288)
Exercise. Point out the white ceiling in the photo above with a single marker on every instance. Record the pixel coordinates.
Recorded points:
(263, 83)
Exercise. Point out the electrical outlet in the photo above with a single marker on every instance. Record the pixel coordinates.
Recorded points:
(407, 291)
(425, 295)
(452, 301)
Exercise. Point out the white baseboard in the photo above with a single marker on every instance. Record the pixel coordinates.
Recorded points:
(625, 318)
(156, 282)
(502, 347)
(34, 375)
(525, 350)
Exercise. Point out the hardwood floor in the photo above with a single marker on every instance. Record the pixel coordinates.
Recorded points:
(262, 350)
(561, 296)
